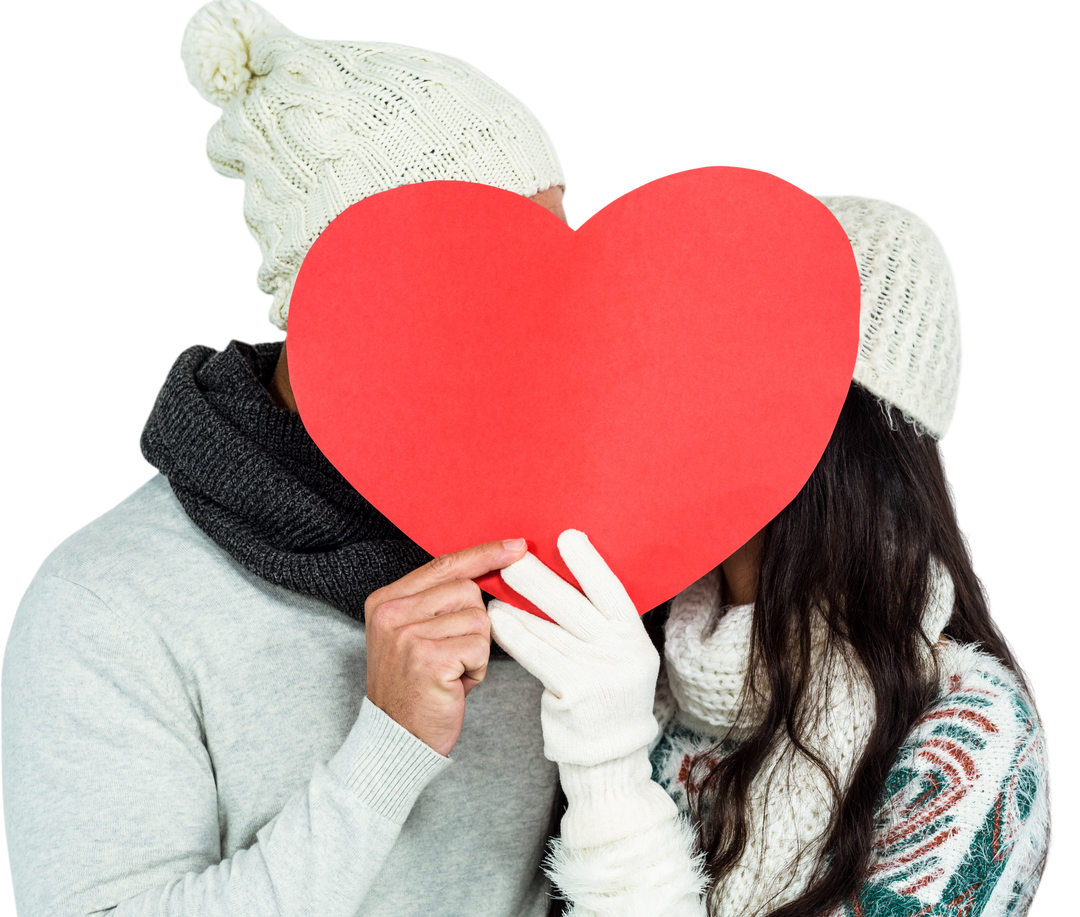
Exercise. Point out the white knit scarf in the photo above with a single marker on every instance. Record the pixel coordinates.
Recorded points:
(790, 800)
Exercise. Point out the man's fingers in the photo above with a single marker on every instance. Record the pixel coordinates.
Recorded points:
(467, 564)
(443, 599)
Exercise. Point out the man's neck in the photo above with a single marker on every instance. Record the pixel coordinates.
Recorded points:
(279, 388)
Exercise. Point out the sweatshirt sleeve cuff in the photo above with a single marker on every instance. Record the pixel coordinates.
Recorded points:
(385, 764)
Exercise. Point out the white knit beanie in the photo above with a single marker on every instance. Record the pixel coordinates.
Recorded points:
(909, 328)
(315, 126)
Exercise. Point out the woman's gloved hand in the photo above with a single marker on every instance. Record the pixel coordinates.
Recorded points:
(597, 662)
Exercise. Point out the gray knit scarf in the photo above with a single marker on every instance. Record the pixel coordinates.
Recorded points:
(251, 478)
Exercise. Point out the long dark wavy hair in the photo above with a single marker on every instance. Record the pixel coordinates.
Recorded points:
(855, 545)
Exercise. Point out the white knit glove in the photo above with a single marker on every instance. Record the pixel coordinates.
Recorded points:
(599, 668)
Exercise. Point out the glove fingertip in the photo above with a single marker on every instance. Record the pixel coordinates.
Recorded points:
(574, 539)
(506, 629)
(503, 616)
(522, 571)
(501, 607)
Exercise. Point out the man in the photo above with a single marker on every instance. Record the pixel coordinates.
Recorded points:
(197, 719)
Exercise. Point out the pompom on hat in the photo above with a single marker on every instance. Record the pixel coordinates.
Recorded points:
(909, 326)
(315, 126)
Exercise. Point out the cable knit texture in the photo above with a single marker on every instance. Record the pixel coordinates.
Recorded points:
(962, 826)
(315, 126)
(909, 334)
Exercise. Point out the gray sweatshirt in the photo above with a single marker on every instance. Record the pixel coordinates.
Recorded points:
(181, 737)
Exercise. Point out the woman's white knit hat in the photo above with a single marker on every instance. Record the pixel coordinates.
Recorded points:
(315, 126)
(909, 327)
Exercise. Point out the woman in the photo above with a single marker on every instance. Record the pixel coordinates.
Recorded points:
(843, 730)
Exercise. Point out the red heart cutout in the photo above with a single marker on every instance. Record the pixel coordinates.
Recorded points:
(664, 379)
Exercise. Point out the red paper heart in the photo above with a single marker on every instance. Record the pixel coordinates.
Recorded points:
(664, 379)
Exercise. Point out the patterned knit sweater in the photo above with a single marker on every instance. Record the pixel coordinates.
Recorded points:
(963, 823)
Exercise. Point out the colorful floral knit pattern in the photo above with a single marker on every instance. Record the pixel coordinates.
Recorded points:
(963, 826)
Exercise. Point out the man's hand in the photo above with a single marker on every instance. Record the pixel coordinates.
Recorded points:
(428, 640)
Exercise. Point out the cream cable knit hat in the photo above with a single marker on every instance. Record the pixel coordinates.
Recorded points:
(315, 126)
(909, 335)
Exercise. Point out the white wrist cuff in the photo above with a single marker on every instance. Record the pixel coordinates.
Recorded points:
(612, 800)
